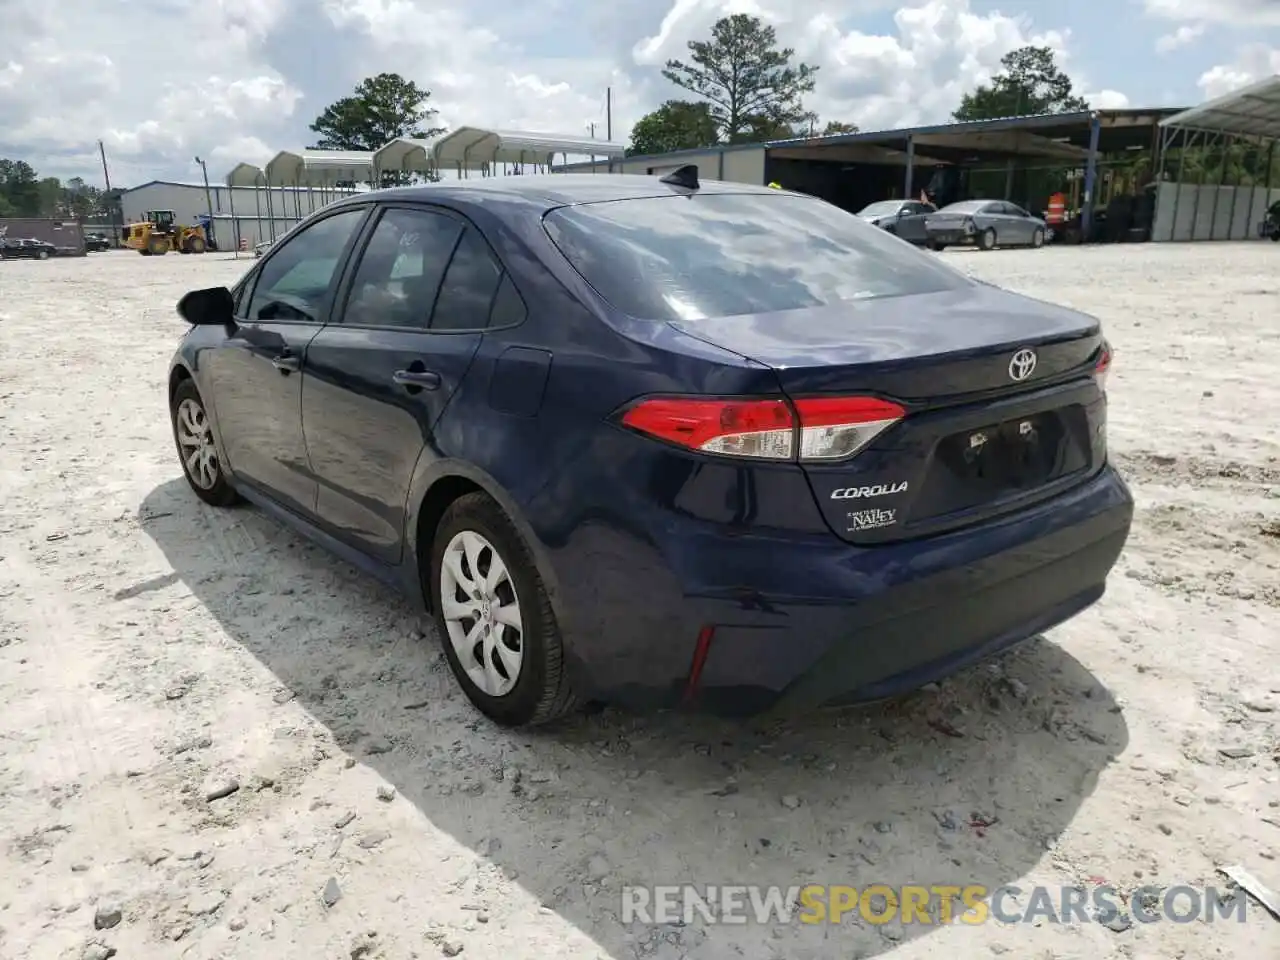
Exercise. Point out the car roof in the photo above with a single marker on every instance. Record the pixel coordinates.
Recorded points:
(544, 191)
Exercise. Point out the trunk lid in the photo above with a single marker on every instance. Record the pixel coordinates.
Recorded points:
(976, 441)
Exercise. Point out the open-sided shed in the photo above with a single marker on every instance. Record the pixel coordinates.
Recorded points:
(469, 148)
(1216, 166)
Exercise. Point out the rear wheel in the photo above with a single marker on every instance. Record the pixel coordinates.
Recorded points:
(491, 608)
(987, 239)
(935, 245)
(193, 436)
(195, 245)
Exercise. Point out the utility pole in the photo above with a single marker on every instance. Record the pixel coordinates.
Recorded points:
(208, 199)
(608, 113)
(107, 179)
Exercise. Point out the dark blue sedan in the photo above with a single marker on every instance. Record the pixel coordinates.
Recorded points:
(660, 442)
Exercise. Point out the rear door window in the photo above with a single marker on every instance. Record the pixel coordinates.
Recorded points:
(400, 269)
(719, 254)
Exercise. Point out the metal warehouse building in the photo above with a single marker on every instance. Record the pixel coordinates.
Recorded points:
(239, 212)
(1123, 169)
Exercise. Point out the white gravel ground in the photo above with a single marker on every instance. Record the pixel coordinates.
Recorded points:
(153, 649)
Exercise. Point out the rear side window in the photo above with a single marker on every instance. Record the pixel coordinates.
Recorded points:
(716, 255)
(468, 288)
(508, 309)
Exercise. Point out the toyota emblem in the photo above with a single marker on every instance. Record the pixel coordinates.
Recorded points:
(1022, 365)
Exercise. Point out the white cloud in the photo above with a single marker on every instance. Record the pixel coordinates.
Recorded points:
(1235, 12)
(160, 81)
(1183, 36)
(940, 50)
(1253, 63)
(1107, 99)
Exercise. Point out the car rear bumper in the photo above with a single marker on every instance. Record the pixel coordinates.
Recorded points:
(952, 237)
(824, 624)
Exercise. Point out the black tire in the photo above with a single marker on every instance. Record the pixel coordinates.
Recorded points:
(220, 493)
(1037, 238)
(987, 239)
(542, 692)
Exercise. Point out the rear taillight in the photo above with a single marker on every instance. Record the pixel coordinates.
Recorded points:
(832, 428)
(827, 428)
(1103, 367)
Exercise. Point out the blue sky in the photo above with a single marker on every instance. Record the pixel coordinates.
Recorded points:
(240, 80)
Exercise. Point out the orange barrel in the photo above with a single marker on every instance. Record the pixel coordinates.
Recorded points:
(1057, 212)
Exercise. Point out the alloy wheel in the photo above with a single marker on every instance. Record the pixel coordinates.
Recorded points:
(195, 438)
(481, 613)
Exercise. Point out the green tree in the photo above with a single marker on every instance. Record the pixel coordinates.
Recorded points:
(748, 82)
(1029, 83)
(20, 188)
(381, 109)
(676, 125)
(835, 127)
(51, 197)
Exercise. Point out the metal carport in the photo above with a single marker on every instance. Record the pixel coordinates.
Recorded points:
(469, 148)
(1240, 130)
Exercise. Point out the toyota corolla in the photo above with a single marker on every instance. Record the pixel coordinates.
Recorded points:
(660, 442)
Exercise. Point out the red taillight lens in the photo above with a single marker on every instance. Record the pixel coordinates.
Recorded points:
(829, 428)
(1103, 367)
(740, 428)
(832, 428)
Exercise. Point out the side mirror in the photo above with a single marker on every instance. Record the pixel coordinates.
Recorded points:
(209, 307)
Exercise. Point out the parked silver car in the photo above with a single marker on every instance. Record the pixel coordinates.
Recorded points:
(985, 224)
(904, 218)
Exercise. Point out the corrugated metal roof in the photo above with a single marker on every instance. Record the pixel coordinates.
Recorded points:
(314, 168)
(1253, 111)
(469, 145)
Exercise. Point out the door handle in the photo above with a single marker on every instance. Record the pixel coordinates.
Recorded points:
(286, 363)
(422, 379)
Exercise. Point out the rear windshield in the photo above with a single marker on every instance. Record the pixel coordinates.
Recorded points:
(719, 255)
(964, 206)
(884, 206)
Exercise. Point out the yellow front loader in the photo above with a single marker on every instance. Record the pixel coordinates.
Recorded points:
(158, 234)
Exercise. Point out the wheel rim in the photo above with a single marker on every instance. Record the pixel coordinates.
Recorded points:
(481, 613)
(195, 440)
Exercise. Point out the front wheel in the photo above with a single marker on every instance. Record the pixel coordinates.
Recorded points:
(193, 435)
(1037, 239)
(43, 254)
(500, 635)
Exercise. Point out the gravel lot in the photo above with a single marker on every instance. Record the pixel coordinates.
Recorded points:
(153, 650)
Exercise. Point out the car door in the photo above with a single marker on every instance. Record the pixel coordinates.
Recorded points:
(415, 308)
(911, 221)
(1011, 228)
(1027, 224)
(255, 375)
